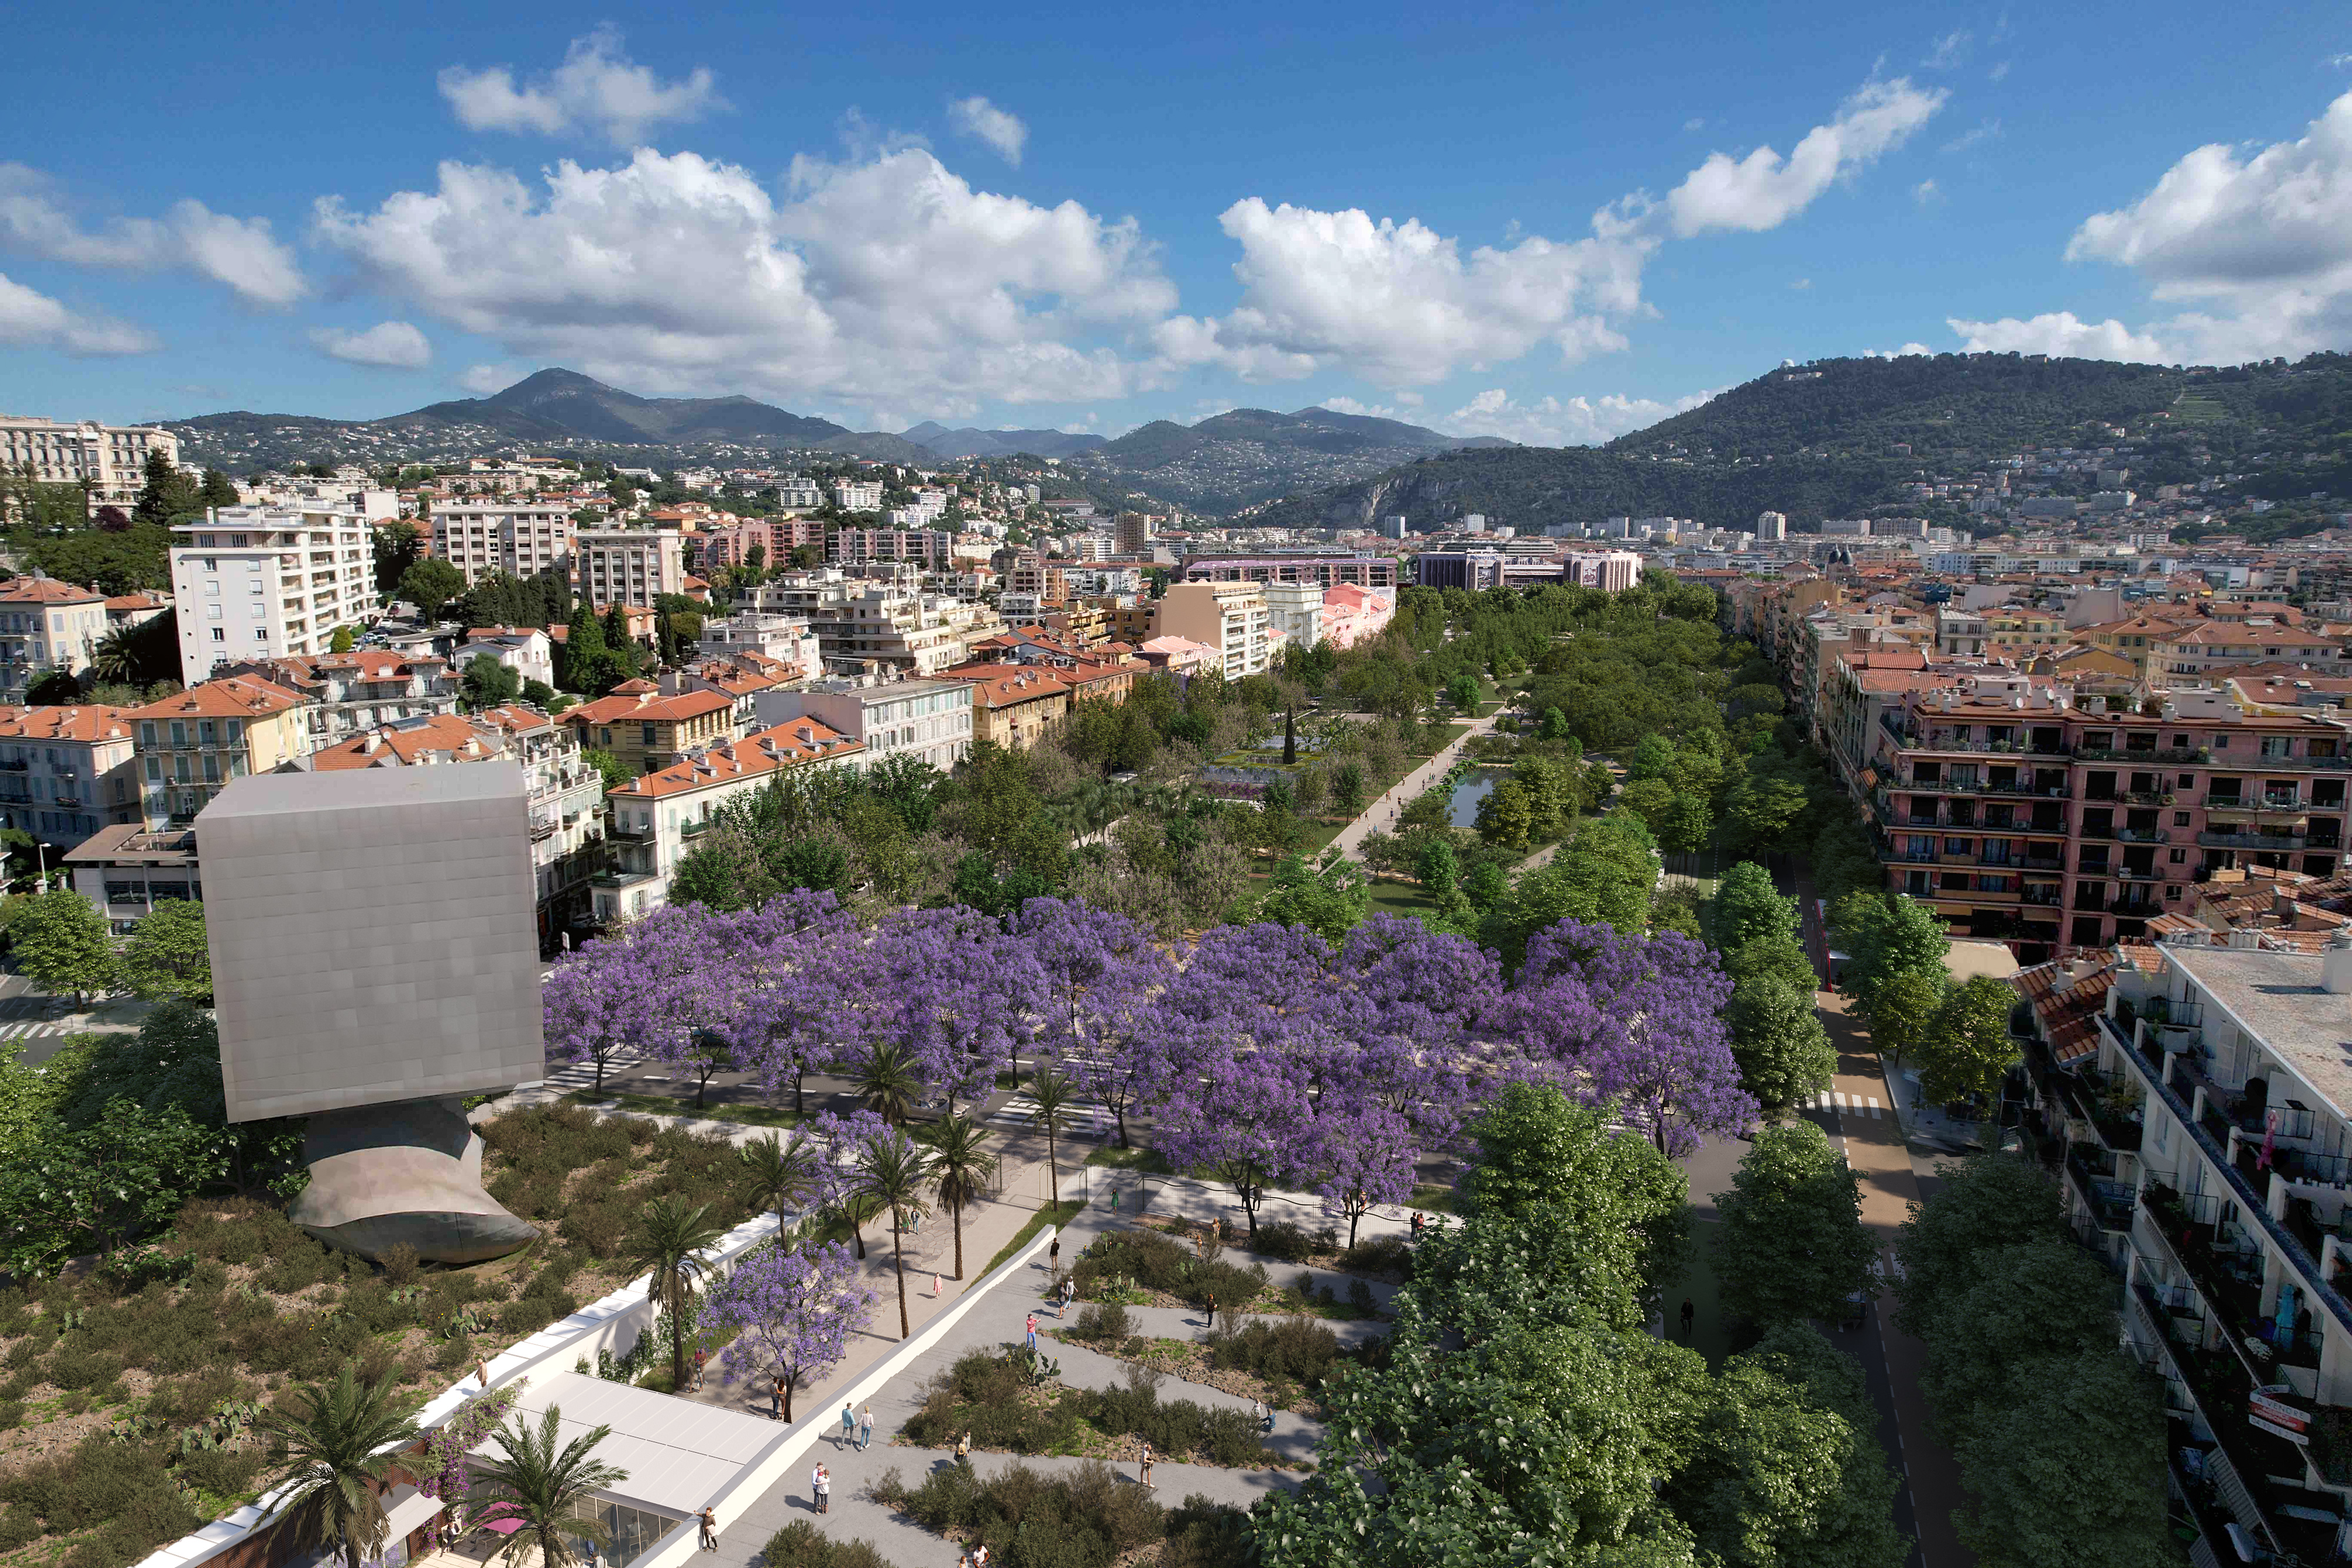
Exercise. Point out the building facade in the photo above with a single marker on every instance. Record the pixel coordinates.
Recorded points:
(485, 539)
(46, 626)
(647, 730)
(627, 566)
(111, 459)
(1294, 610)
(259, 582)
(1227, 615)
(67, 772)
(931, 721)
(190, 745)
(1322, 569)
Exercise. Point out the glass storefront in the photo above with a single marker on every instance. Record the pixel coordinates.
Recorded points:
(632, 1531)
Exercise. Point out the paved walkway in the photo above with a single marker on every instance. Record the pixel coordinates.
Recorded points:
(1380, 816)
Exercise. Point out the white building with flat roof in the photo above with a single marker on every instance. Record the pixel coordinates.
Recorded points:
(483, 539)
(109, 458)
(929, 721)
(262, 582)
(628, 565)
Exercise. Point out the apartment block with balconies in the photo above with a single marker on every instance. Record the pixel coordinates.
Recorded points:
(2233, 1248)
(2021, 817)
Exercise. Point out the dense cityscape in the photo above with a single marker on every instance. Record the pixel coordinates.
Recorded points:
(848, 832)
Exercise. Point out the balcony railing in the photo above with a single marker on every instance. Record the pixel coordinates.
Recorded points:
(2305, 1265)
(2253, 840)
(2144, 835)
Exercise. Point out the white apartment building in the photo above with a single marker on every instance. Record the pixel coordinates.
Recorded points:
(2210, 1153)
(46, 626)
(1294, 610)
(482, 540)
(868, 625)
(112, 458)
(260, 582)
(857, 495)
(800, 491)
(628, 565)
(784, 638)
(929, 721)
(527, 651)
(1231, 617)
(657, 816)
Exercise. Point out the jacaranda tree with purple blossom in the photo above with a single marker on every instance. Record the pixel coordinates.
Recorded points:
(1248, 1120)
(956, 994)
(1634, 1022)
(1364, 1157)
(796, 1001)
(797, 1307)
(1105, 987)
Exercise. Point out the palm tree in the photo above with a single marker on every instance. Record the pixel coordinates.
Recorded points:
(858, 1207)
(964, 1163)
(888, 1084)
(116, 655)
(543, 1485)
(668, 1243)
(895, 1169)
(1057, 1098)
(772, 1175)
(341, 1449)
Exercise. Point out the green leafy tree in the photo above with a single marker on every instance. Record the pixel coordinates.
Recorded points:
(1462, 692)
(1652, 758)
(1437, 868)
(53, 688)
(216, 490)
(615, 771)
(1967, 1046)
(168, 956)
(1329, 897)
(1552, 795)
(1784, 1054)
(171, 1063)
(1904, 1009)
(550, 1485)
(668, 1243)
(1537, 1154)
(344, 640)
(396, 547)
(1348, 788)
(168, 494)
(115, 656)
(1507, 816)
(62, 944)
(1762, 813)
(343, 1442)
(1552, 725)
(1685, 826)
(1785, 1468)
(1749, 907)
(1886, 935)
(1792, 1243)
(1982, 1205)
(430, 585)
(488, 683)
(97, 1187)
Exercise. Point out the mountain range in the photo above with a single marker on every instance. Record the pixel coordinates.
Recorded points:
(1235, 459)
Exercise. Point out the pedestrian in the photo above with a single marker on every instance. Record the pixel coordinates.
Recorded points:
(865, 1427)
(1690, 1315)
(1148, 1481)
(1033, 1331)
(1069, 1289)
(824, 1489)
(848, 1423)
(964, 1560)
(1114, 1200)
(964, 1450)
(935, 1283)
(1416, 1225)
(709, 1540)
(1213, 1308)
(482, 1371)
(1053, 1256)
(780, 1396)
(1257, 1412)
(592, 1554)
(979, 1555)
(700, 1356)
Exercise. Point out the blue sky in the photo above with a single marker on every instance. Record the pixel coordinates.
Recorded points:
(1552, 223)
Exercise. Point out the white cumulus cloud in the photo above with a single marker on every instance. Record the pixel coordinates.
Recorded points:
(2059, 332)
(1764, 189)
(2261, 239)
(1549, 421)
(29, 320)
(1400, 303)
(1905, 351)
(393, 345)
(888, 281)
(1001, 129)
(597, 88)
(482, 380)
(238, 253)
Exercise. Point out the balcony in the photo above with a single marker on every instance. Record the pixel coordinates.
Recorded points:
(633, 834)
(2143, 835)
(2256, 810)
(2140, 873)
(2222, 1259)
(2253, 840)
(695, 829)
(2138, 753)
(2092, 1172)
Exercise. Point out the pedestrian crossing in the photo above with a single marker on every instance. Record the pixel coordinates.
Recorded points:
(30, 1029)
(1083, 1116)
(579, 1077)
(1838, 1100)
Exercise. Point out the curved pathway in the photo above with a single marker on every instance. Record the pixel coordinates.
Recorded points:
(1382, 814)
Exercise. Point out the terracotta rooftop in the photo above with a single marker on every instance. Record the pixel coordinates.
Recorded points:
(38, 589)
(769, 751)
(641, 700)
(441, 737)
(231, 697)
(87, 722)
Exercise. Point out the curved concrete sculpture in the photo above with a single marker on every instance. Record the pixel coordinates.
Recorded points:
(407, 1173)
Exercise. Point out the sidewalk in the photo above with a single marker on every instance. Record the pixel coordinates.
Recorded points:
(1382, 814)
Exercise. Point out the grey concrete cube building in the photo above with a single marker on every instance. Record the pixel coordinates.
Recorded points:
(374, 936)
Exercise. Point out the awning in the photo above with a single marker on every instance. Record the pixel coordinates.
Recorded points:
(409, 1509)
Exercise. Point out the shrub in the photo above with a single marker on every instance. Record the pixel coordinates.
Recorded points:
(74, 1364)
(1110, 1322)
(532, 1313)
(100, 1482)
(1084, 1518)
(597, 1228)
(1176, 1426)
(400, 1265)
(1204, 1534)
(1295, 1349)
(1285, 1239)
(1389, 1255)
(1360, 1296)
(982, 1394)
(799, 1545)
(224, 1472)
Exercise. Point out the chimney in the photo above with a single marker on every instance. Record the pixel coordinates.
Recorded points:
(371, 745)
(2335, 963)
(2283, 904)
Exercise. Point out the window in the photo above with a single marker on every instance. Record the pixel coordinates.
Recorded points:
(2180, 818)
(212, 611)
(213, 588)
(220, 634)
(1959, 846)
(211, 563)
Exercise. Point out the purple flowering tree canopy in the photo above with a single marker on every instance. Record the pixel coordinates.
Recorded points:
(1365, 1158)
(1106, 989)
(797, 1308)
(1635, 1022)
(1248, 1119)
(956, 993)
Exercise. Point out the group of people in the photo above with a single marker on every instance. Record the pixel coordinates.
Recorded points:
(856, 1426)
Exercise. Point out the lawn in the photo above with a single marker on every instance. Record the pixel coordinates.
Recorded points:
(1057, 1215)
(1401, 898)
(1437, 740)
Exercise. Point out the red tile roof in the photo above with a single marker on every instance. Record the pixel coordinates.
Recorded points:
(231, 697)
(46, 591)
(642, 701)
(87, 722)
(787, 744)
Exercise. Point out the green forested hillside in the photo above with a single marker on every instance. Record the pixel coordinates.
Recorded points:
(1827, 439)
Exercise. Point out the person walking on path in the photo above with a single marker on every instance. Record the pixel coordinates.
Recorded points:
(1054, 1255)
(865, 1427)
(1212, 1309)
(1148, 1482)
(700, 1356)
(849, 1424)
(1257, 1412)
(1069, 1289)
(964, 1450)
(935, 1284)
(1033, 1331)
(708, 1538)
(1690, 1315)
